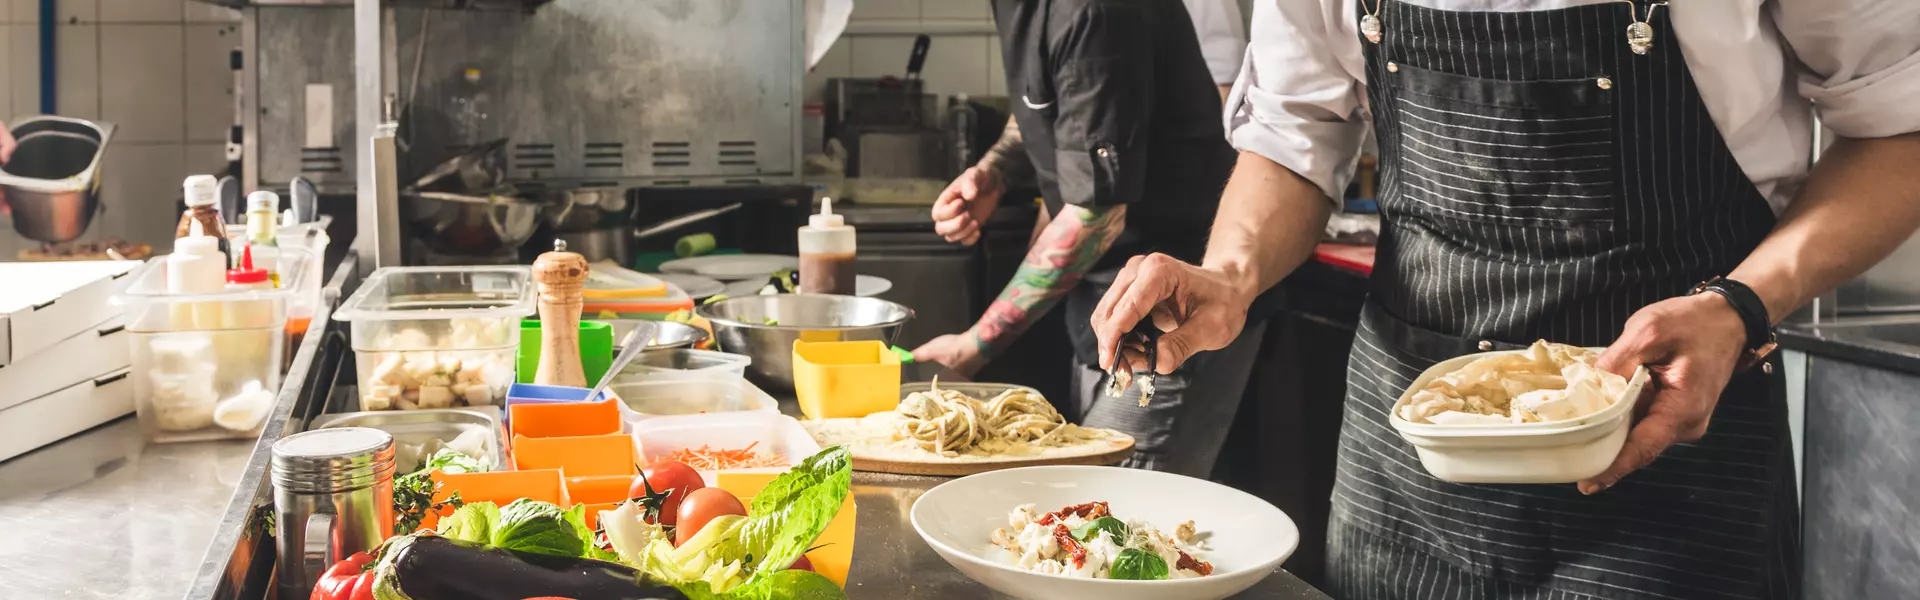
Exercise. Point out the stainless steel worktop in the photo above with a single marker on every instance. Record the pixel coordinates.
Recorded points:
(104, 514)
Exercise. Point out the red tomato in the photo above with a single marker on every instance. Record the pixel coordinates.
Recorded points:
(674, 479)
(802, 563)
(702, 506)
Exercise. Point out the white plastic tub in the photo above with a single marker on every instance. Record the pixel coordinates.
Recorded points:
(768, 433)
(437, 337)
(684, 364)
(1557, 452)
(653, 399)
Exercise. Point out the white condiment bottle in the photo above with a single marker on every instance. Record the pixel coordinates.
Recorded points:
(196, 267)
(827, 253)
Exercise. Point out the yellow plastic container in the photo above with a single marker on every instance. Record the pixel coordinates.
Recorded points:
(834, 555)
(834, 380)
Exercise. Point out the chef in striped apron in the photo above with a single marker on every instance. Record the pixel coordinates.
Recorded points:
(1569, 170)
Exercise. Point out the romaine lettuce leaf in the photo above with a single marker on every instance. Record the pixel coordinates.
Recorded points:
(733, 554)
(471, 523)
(537, 527)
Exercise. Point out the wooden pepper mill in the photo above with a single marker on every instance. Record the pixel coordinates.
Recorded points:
(560, 274)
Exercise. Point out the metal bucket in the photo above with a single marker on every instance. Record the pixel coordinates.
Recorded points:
(53, 181)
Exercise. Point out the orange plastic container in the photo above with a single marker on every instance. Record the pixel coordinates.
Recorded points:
(564, 419)
(499, 487)
(593, 512)
(579, 456)
(599, 489)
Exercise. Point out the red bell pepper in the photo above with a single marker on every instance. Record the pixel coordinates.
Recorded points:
(349, 579)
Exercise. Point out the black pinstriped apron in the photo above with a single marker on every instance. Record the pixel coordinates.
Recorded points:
(1540, 180)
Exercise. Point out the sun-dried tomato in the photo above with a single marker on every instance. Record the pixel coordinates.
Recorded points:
(1088, 511)
(1198, 566)
(1071, 546)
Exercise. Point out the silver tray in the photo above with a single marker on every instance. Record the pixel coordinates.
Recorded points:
(414, 426)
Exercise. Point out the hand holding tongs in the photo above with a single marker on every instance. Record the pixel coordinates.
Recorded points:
(1135, 359)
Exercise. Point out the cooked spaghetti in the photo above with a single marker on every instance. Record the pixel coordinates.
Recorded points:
(949, 423)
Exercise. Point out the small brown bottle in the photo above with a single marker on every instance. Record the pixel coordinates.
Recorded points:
(201, 196)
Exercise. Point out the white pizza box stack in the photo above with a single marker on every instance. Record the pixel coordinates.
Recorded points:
(63, 350)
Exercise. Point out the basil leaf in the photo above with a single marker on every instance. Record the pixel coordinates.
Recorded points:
(1138, 565)
(1114, 527)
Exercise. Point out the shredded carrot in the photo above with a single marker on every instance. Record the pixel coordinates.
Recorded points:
(707, 458)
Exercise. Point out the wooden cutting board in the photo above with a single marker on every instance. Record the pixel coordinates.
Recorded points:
(884, 458)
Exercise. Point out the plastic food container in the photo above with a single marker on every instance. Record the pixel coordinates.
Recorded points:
(416, 433)
(437, 337)
(768, 433)
(651, 399)
(834, 380)
(498, 487)
(682, 364)
(1556, 452)
(207, 366)
(577, 456)
(567, 416)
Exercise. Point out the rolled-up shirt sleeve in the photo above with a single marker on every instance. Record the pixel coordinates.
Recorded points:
(1103, 81)
(1300, 100)
(1861, 62)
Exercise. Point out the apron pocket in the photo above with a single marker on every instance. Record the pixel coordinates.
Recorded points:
(1516, 153)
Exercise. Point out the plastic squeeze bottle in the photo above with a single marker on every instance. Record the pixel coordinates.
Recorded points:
(263, 214)
(826, 253)
(196, 267)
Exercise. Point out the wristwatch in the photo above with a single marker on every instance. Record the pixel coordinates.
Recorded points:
(1753, 314)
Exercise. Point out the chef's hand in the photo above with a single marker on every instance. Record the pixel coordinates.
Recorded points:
(1198, 308)
(7, 144)
(1690, 346)
(966, 203)
(957, 351)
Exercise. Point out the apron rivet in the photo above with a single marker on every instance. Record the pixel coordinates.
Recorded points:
(1766, 367)
(1102, 152)
(1393, 67)
(1486, 346)
(1604, 83)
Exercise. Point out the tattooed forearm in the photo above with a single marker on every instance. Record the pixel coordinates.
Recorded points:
(1008, 156)
(1064, 252)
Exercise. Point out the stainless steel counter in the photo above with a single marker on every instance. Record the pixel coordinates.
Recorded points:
(106, 515)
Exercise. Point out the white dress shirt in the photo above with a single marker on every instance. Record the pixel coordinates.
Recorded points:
(1223, 39)
(1763, 68)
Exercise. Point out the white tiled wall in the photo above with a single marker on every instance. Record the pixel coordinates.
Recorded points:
(964, 57)
(156, 69)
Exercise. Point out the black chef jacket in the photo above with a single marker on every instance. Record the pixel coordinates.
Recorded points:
(1117, 107)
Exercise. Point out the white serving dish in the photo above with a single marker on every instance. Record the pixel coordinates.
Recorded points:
(1246, 537)
(1557, 452)
(770, 432)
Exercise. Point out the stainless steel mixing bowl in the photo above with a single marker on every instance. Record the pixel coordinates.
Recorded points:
(740, 326)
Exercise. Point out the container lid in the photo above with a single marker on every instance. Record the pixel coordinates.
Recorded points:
(200, 190)
(246, 273)
(332, 459)
(407, 293)
(263, 200)
(826, 219)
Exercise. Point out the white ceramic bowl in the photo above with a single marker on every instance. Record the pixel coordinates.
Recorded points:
(1246, 537)
(1556, 452)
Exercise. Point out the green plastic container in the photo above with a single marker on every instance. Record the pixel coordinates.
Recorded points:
(596, 350)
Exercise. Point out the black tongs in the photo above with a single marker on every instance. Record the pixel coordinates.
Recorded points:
(1142, 342)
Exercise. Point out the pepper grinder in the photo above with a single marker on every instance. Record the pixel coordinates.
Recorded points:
(561, 274)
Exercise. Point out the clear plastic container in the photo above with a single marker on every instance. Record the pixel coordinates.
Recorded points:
(684, 364)
(768, 435)
(207, 366)
(650, 399)
(437, 337)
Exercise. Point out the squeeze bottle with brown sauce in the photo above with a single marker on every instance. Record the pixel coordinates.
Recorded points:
(826, 253)
(560, 275)
(201, 193)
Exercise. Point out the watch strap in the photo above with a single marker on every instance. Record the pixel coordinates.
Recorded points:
(1746, 303)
